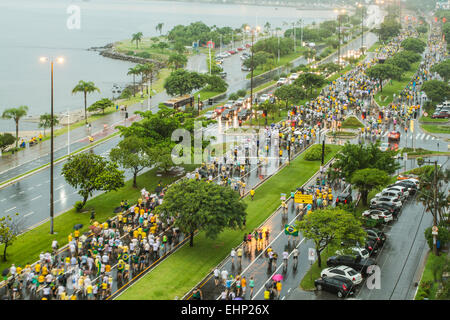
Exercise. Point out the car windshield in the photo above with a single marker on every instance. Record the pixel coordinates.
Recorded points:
(364, 252)
(352, 272)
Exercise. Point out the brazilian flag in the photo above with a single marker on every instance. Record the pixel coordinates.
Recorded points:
(99, 267)
(290, 230)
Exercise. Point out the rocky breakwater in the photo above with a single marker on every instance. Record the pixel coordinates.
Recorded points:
(109, 51)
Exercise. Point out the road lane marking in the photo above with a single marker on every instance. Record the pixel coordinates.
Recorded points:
(10, 209)
(61, 186)
(21, 192)
(30, 188)
(36, 197)
(40, 184)
(28, 214)
(13, 195)
(3, 199)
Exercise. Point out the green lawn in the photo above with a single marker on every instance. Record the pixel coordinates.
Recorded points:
(385, 97)
(434, 128)
(283, 61)
(429, 119)
(28, 246)
(427, 286)
(352, 123)
(189, 265)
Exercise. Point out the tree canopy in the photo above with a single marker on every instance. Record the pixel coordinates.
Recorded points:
(443, 69)
(367, 179)
(181, 82)
(436, 90)
(198, 205)
(414, 45)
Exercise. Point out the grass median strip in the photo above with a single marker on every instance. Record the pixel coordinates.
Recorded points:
(189, 265)
(28, 245)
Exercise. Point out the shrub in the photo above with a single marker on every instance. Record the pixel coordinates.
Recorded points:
(144, 55)
(126, 94)
(315, 152)
(241, 93)
(78, 206)
(352, 122)
(283, 75)
(233, 96)
(276, 78)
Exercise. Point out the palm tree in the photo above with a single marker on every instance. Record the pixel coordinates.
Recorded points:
(133, 71)
(137, 37)
(85, 87)
(15, 114)
(159, 27)
(147, 71)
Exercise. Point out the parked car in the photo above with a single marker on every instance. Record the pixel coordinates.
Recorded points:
(391, 194)
(240, 49)
(376, 235)
(338, 284)
(345, 197)
(357, 263)
(232, 51)
(343, 271)
(394, 136)
(248, 45)
(244, 68)
(388, 200)
(294, 76)
(402, 189)
(357, 251)
(372, 247)
(378, 214)
(394, 210)
(411, 186)
(223, 75)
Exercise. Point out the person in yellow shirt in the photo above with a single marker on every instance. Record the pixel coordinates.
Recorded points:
(135, 234)
(252, 193)
(89, 293)
(44, 270)
(142, 211)
(76, 234)
(330, 197)
(69, 237)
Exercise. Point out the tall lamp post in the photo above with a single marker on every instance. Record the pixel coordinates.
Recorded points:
(360, 5)
(52, 209)
(254, 31)
(340, 13)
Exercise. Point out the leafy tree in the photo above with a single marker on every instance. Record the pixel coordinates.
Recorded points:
(132, 153)
(89, 172)
(310, 81)
(328, 226)
(410, 56)
(9, 230)
(384, 71)
(259, 59)
(443, 235)
(290, 94)
(443, 69)
(177, 61)
(85, 87)
(16, 114)
(414, 45)
(367, 179)
(233, 96)
(136, 37)
(355, 157)
(400, 62)
(45, 121)
(181, 82)
(162, 45)
(436, 90)
(101, 105)
(148, 72)
(329, 67)
(198, 205)
(179, 47)
(6, 139)
(389, 28)
(422, 29)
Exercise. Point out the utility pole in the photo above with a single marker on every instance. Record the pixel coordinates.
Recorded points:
(293, 25)
(435, 201)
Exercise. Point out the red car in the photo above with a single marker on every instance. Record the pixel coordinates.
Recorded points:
(442, 114)
(240, 49)
(232, 52)
(394, 135)
(219, 109)
(248, 45)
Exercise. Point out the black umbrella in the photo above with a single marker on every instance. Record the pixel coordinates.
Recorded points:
(5, 272)
(77, 226)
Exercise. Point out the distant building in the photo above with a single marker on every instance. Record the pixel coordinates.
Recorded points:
(445, 5)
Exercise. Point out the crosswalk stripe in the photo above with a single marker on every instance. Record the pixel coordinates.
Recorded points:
(423, 135)
(433, 138)
(428, 137)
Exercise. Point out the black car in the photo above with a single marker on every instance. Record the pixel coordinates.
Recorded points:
(345, 197)
(412, 188)
(336, 284)
(371, 246)
(243, 114)
(357, 263)
(387, 207)
(376, 235)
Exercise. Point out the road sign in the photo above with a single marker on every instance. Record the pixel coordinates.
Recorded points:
(303, 198)
(312, 254)
(434, 230)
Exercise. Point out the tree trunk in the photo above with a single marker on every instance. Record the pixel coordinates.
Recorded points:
(4, 252)
(134, 85)
(84, 200)
(364, 195)
(381, 85)
(85, 107)
(134, 179)
(17, 132)
(191, 239)
(319, 259)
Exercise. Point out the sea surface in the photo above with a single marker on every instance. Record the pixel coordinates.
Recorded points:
(31, 29)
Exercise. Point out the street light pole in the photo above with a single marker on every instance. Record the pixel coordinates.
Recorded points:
(251, 81)
(52, 209)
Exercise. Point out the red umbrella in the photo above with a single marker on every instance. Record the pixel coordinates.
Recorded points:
(277, 277)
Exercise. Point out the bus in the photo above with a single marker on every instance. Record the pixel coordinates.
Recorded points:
(180, 102)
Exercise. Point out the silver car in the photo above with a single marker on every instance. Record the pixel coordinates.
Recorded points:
(391, 201)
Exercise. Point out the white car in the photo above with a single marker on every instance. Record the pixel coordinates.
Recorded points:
(294, 76)
(239, 102)
(390, 201)
(378, 214)
(209, 115)
(281, 81)
(403, 190)
(263, 97)
(362, 252)
(343, 271)
(391, 194)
